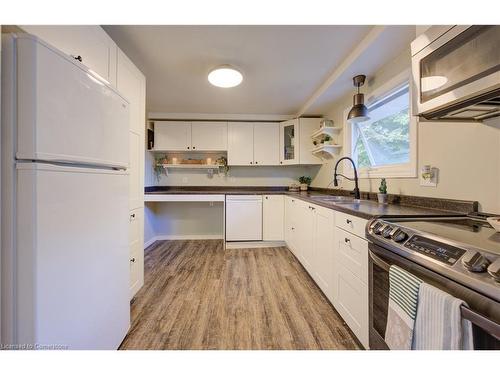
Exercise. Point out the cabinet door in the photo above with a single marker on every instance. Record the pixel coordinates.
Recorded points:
(351, 301)
(266, 140)
(323, 244)
(273, 211)
(172, 135)
(131, 83)
(136, 178)
(209, 136)
(96, 48)
(289, 141)
(305, 222)
(136, 234)
(291, 225)
(240, 143)
(306, 127)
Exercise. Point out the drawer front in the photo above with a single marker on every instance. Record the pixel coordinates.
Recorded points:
(352, 253)
(351, 223)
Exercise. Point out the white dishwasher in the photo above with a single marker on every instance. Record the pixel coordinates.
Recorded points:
(243, 217)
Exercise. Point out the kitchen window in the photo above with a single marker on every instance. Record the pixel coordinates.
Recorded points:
(385, 145)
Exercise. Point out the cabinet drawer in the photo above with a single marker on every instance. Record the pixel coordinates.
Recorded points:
(352, 253)
(351, 223)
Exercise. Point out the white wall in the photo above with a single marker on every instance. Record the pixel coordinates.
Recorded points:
(237, 176)
(178, 220)
(467, 154)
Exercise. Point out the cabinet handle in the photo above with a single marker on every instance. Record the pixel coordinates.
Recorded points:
(293, 228)
(267, 197)
(132, 216)
(255, 162)
(347, 240)
(251, 162)
(188, 147)
(348, 221)
(194, 147)
(79, 58)
(281, 162)
(132, 260)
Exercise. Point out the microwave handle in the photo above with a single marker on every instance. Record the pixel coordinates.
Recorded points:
(379, 262)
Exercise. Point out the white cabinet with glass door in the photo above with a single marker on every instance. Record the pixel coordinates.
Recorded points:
(289, 141)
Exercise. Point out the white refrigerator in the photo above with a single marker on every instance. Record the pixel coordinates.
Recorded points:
(64, 250)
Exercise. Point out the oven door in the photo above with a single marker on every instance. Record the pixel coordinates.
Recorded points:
(460, 63)
(483, 312)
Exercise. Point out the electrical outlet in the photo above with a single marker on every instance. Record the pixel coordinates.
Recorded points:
(429, 176)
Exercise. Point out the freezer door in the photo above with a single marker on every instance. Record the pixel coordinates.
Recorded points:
(72, 257)
(65, 112)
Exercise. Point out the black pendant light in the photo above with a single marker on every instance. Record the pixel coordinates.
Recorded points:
(358, 112)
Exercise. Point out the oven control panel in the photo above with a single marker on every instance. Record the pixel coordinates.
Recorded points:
(434, 249)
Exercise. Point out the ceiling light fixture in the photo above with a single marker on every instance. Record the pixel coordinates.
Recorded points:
(225, 76)
(358, 112)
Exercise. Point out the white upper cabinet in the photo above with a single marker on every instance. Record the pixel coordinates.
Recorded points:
(289, 139)
(131, 83)
(172, 135)
(306, 127)
(240, 143)
(266, 143)
(97, 50)
(253, 143)
(209, 136)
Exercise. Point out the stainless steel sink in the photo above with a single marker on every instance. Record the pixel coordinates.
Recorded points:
(337, 199)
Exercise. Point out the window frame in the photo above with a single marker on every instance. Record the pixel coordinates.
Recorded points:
(403, 170)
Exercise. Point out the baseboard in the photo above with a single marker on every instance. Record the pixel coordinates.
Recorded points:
(254, 244)
(165, 237)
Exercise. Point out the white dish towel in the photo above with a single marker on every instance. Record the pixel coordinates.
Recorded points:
(403, 299)
(439, 324)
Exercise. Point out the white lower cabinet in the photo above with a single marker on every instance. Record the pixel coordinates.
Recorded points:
(273, 211)
(329, 246)
(309, 233)
(291, 218)
(136, 241)
(350, 281)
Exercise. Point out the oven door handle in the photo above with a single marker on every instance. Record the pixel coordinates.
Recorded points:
(479, 320)
(378, 261)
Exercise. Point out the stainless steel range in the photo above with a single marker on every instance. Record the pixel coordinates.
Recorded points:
(458, 254)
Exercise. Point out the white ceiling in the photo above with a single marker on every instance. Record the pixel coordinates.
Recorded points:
(283, 66)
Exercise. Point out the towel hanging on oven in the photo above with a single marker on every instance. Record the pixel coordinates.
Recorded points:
(403, 299)
(439, 324)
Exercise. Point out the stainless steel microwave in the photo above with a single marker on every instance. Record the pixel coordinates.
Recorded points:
(456, 73)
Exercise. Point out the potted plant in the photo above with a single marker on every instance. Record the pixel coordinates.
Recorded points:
(305, 181)
(327, 140)
(382, 194)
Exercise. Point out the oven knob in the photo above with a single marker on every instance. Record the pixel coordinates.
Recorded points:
(399, 236)
(386, 232)
(475, 262)
(376, 227)
(494, 270)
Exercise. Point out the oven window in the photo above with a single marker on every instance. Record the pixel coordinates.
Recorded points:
(380, 299)
(471, 55)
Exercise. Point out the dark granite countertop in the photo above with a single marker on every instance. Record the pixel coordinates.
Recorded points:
(365, 208)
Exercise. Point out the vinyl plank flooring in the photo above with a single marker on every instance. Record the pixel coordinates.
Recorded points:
(196, 295)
